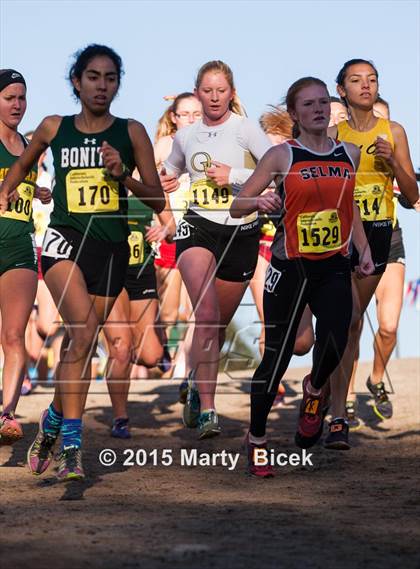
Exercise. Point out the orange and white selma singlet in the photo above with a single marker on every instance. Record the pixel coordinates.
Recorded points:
(317, 195)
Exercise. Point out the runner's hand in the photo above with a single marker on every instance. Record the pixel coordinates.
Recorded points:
(366, 266)
(6, 199)
(219, 173)
(169, 182)
(43, 194)
(111, 159)
(156, 233)
(383, 149)
(4, 202)
(269, 202)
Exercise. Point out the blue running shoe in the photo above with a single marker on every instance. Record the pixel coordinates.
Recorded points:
(208, 425)
(120, 428)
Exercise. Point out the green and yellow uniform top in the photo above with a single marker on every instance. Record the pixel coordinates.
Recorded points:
(139, 216)
(373, 191)
(86, 198)
(17, 220)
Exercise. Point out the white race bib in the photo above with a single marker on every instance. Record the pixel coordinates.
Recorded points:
(272, 277)
(183, 230)
(55, 245)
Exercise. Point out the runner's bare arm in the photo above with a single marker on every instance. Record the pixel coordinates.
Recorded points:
(354, 152)
(366, 266)
(40, 141)
(167, 220)
(359, 235)
(402, 165)
(149, 189)
(273, 163)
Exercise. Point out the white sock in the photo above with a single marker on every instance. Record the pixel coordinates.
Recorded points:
(312, 389)
(257, 440)
(208, 410)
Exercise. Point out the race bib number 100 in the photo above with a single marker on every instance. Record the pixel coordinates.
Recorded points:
(319, 231)
(21, 209)
(88, 191)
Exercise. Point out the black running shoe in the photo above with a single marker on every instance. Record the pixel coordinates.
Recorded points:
(165, 363)
(338, 435)
(382, 406)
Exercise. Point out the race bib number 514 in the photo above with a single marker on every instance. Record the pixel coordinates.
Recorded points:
(372, 202)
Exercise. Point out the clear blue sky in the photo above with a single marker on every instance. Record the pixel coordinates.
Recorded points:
(267, 44)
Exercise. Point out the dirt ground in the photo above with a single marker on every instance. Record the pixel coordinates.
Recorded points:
(350, 509)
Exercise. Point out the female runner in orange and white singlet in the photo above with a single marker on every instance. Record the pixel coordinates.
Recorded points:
(310, 262)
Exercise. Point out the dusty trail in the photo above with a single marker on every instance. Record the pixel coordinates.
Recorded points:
(352, 509)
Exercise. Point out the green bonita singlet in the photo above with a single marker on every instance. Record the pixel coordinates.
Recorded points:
(139, 215)
(85, 197)
(17, 220)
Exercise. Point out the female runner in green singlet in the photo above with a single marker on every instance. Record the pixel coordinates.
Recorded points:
(85, 250)
(18, 259)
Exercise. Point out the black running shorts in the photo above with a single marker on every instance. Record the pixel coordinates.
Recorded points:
(140, 282)
(103, 263)
(234, 248)
(397, 251)
(378, 234)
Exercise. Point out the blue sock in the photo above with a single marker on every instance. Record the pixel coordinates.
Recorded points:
(52, 422)
(71, 433)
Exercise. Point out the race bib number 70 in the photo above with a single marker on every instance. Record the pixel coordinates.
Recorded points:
(55, 245)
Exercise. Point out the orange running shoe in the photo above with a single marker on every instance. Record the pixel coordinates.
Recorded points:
(10, 429)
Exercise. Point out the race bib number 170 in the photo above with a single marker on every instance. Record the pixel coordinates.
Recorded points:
(88, 191)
